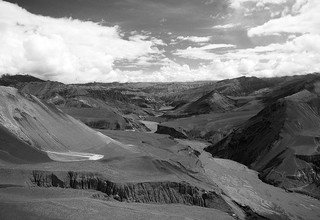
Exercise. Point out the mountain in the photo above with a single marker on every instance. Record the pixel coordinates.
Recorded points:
(281, 142)
(214, 115)
(217, 97)
(42, 146)
(33, 131)
(241, 86)
(12, 80)
(98, 107)
(210, 127)
(272, 130)
(292, 85)
(209, 103)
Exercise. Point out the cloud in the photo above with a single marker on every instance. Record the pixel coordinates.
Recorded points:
(300, 55)
(171, 71)
(203, 53)
(209, 2)
(157, 41)
(195, 39)
(226, 26)
(71, 50)
(64, 49)
(297, 56)
(259, 3)
(305, 19)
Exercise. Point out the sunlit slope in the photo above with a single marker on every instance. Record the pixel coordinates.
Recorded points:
(30, 129)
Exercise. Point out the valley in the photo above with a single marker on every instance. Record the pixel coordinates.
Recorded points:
(243, 148)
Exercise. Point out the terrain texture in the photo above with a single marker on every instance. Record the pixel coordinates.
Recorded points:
(244, 148)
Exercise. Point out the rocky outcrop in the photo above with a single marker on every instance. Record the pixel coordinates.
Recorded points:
(173, 132)
(144, 192)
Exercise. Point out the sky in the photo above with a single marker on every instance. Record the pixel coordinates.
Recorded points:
(77, 41)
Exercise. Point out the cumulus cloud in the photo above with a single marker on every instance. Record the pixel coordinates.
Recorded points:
(203, 53)
(305, 19)
(300, 54)
(71, 50)
(64, 49)
(226, 26)
(260, 3)
(195, 39)
(158, 41)
(297, 56)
